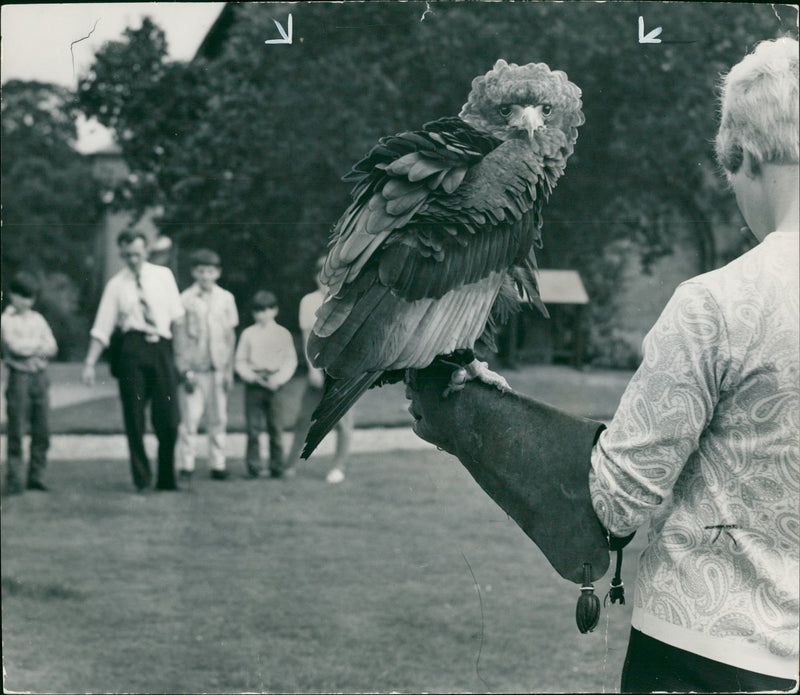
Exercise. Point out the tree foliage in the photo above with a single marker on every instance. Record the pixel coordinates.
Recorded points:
(245, 145)
(51, 202)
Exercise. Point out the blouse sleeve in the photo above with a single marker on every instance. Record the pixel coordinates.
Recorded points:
(663, 412)
(233, 312)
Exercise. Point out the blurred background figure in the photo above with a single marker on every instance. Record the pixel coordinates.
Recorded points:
(161, 252)
(27, 344)
(204, 350)
(314, 388)
(265, 360)
(142, 302)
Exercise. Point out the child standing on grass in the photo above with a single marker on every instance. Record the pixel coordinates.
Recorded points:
(27, 344)
(265, 360)
(204, 345)
(312, 395)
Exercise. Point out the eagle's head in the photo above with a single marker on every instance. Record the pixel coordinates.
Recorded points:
(530, 101)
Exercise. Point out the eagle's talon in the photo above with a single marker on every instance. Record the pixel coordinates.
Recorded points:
(480, 371)
(475, 370)
(458, 379)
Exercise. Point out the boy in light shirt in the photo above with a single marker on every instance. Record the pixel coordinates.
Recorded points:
(265, 360)
(27, 344)
(204, 349)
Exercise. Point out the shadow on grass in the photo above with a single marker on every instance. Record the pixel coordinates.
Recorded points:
(41, 592)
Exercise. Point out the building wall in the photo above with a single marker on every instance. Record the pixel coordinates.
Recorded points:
(643, 296)
(110, 169)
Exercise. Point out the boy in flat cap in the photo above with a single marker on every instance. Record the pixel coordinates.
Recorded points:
(204, 350)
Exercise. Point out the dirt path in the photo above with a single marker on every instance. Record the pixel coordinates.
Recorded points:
(70, 447)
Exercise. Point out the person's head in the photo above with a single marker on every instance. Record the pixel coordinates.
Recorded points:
(759, 108)
(133, 248)
(317, 273)
(759, 123)
(206, 268)
(23, 290)
(161, 251)
(265, 307)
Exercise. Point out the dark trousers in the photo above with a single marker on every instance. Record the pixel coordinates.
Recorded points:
(651, 665)
(262, 406)
(147, 374)
(27, 403)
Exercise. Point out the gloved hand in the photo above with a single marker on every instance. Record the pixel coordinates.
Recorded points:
(437, 419)
(531, 459)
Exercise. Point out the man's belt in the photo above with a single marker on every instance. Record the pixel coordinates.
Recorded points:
(148, 337)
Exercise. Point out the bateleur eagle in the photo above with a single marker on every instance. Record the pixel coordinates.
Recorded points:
(438, 243)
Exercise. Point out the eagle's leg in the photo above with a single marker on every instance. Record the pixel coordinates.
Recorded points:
(467, 368)
(480, 371)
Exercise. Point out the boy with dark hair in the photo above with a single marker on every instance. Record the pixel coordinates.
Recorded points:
(265, 360)
(27, 344)
(204, 348)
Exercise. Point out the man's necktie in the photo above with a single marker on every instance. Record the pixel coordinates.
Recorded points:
(147, 312)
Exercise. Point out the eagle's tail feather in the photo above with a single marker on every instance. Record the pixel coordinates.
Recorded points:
(338, 398)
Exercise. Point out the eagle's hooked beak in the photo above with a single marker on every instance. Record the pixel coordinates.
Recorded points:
(531, 119)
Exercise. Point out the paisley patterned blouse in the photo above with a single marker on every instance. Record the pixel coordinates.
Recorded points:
(706, 446)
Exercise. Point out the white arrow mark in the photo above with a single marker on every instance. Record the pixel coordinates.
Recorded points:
(650, 37)
(285, 38)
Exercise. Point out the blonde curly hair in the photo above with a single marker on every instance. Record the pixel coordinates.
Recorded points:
(759, 108)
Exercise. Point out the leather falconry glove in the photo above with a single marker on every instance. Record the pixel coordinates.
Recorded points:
(533, 460)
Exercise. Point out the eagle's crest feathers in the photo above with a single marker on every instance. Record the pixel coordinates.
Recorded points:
(531, 84)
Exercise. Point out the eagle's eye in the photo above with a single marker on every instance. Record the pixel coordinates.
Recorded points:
(546, 110)
(504, 110)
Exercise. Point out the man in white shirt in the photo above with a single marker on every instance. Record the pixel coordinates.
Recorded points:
(142, 302)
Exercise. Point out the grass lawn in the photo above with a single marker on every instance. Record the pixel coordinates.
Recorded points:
(404, 578)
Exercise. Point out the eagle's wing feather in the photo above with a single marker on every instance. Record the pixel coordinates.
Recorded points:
(403, 241)
(487, 224)
(438, 219)
(340, 396)
(394, 182)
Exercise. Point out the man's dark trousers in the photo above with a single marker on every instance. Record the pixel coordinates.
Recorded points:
(147, 373)
(27, 401)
